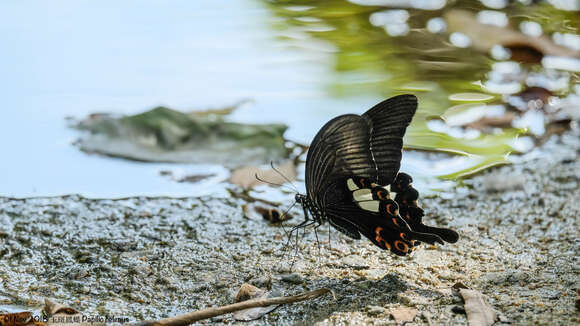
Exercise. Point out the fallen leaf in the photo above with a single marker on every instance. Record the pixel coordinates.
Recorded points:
(245, 177)
(479, 311)
(266, 212)
(248, 292)
(404, 314)
(166, 135)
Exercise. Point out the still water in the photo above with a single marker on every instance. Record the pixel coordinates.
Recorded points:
(298, 65)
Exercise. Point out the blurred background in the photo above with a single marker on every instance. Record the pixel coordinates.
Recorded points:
(494, 78)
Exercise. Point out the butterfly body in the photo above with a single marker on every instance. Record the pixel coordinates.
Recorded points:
(353, 179)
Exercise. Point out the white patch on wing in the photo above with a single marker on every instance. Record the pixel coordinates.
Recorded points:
(369, 205)
(362, 194)
(388, 188)
(351, 185)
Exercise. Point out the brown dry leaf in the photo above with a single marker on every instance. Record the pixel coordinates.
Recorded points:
(484, 37)
(479, 311)
(245, 177)
(61, 315)
(404, 314)
(266, 212)
(248, 292)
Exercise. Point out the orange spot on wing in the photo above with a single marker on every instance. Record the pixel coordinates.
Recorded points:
(395, 221)
(380, 239)
(401, 246)
(362, 182)
(380, 195)
(403, 236)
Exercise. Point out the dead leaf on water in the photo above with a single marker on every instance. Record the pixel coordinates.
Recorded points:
(479, 311)
(404, 314)
(248, 292)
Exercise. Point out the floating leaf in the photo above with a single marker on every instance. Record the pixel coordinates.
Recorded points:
(166, 135)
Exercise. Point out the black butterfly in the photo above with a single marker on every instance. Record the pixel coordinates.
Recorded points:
(352, 174)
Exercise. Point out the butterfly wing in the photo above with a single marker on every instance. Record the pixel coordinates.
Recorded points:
(379, 228)
(406, 198)
(388, 122)
(368, 146)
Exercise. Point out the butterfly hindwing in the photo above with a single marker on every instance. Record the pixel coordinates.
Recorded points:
(374, 198)
(409, 209)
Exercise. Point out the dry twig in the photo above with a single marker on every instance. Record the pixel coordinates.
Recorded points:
(194, 316)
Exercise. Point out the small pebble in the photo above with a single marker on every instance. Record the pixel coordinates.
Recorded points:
(292, 278)
(375, 310)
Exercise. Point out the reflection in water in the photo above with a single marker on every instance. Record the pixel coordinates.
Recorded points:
(448, 54)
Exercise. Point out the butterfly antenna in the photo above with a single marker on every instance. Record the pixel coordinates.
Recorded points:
(274, 184)
(286, 213)
(283, 176)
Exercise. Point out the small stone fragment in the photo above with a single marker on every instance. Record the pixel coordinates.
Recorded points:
(292, 278)
(403, 314)
(375, 310)
(479, 311)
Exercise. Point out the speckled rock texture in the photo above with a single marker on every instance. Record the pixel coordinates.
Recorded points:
(148, 258)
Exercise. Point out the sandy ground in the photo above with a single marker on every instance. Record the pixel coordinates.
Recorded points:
(148, 258)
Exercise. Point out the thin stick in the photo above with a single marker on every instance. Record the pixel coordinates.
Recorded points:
(190, 317)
